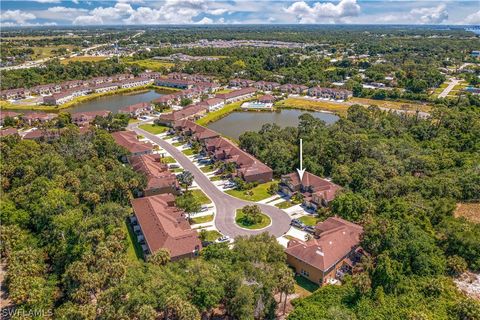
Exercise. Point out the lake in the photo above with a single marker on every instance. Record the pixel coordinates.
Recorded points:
(112, 103)
(237, 123)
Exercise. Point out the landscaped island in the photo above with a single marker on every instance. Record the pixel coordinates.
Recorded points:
(251, 217)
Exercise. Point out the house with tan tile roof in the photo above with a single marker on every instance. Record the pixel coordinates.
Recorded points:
(128, 140)
(333, 253)
(161, 225)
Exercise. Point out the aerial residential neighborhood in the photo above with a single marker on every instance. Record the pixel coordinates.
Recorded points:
(288, 160)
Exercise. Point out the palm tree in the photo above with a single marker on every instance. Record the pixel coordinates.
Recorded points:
(185, 179)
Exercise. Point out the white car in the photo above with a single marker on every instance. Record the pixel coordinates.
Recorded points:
(223, 239)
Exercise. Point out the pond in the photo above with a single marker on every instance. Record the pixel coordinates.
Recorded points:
(112, 103)
(237, 123)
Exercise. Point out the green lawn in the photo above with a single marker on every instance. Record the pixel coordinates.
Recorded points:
(178, 170)
(223, 91)
(284, 205)
(212, 235)
(216, 178)
(201, 197)
(309, 220)
(188, 152)
(216, 115)
(304, 286)
(152, 64)
(202, 219)
(153, 128)
(239, 220)
(208, 168)
(258, 193)
(134, 250)
(178, 144)
(168, 159)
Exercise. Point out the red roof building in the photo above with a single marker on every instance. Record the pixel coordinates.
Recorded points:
(164, 226)
(333, 253)
(315, 190)
(237, 95)
(137, 109)
(128, 140)
(8, 132)
(159, 179)
(85, 118)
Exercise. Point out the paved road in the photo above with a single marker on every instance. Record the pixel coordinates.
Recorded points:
(451, 85)
(225, 204)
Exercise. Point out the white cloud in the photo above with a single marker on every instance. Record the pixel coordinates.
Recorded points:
(319, 11)
(88, 20)
(217, 12)
(75, 1)
(205, 20)
(473, 18)
(47, 1)
(432, 15)
(65, 10)
(16, 17)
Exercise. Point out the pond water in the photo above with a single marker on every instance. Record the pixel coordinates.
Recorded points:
(112, 103)
(237, 123)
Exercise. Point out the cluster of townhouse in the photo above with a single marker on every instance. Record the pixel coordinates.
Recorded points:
(217, 148)
(157, 222)
(319, 92)
(59, 93)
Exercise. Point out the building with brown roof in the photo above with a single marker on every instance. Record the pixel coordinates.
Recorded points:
(315, 190)
(174, 83)
(8, 132)
(85, 118)
(334, 253)
(330, 93)
(43, 135)
(191, 112)
(237, 95)
(159, 179)
(293, 88)
(128, 140)
(266, 85)
(212, 103)
(268, 98)
(33, 117)
(161, 225)
(137, 109)
(242, 83)
(7, 114)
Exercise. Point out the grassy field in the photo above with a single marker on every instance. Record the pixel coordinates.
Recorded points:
(178, 144)
(262, 224)
(216, 178)
(83, 59)
(208, 168)
(202, 219)
(392, 104)
(212, 235)
(223, 112)
(258, 193)
(150, 64)
(304, 287)
(188, 152)
(309, 220)
(48, 51)
(284, 205)
(201, 197)
(312, 105)
(470, 211)
(134, 250)
(153, 128)
(168, 160)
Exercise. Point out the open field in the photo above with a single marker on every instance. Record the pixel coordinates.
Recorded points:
(239, 219)
(83, 59)
(48, 52)
(313, 105)
(391, 104)
(153, 128)
(150, 64)
(258, 193)
(470, 211)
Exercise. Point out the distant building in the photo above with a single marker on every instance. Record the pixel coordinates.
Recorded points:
(174, 83)
(266, 86)
(327, 258)
(212, 104)
(7, 114)
(237, 95)
(134, 82)
(161, 225)
(317, 192)
(191, 112)
(8, 132)
(137, 109)
(242, 83)
(475, 53)
(293, 88)
(34, 117)
(330, 93)
(14, 94)
(82, 119)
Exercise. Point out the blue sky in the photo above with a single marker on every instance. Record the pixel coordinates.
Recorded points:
(135, 12)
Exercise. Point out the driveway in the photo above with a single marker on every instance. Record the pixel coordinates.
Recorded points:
(451, 85)
(225, 204)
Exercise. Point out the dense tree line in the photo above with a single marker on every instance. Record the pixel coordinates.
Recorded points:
(64, 242)
(401, 177)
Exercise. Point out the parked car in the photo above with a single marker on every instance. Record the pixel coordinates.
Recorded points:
(174, 166)
(309, 229)
(203, 209)
(297, 224)
(144, 118)
(223, 239)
